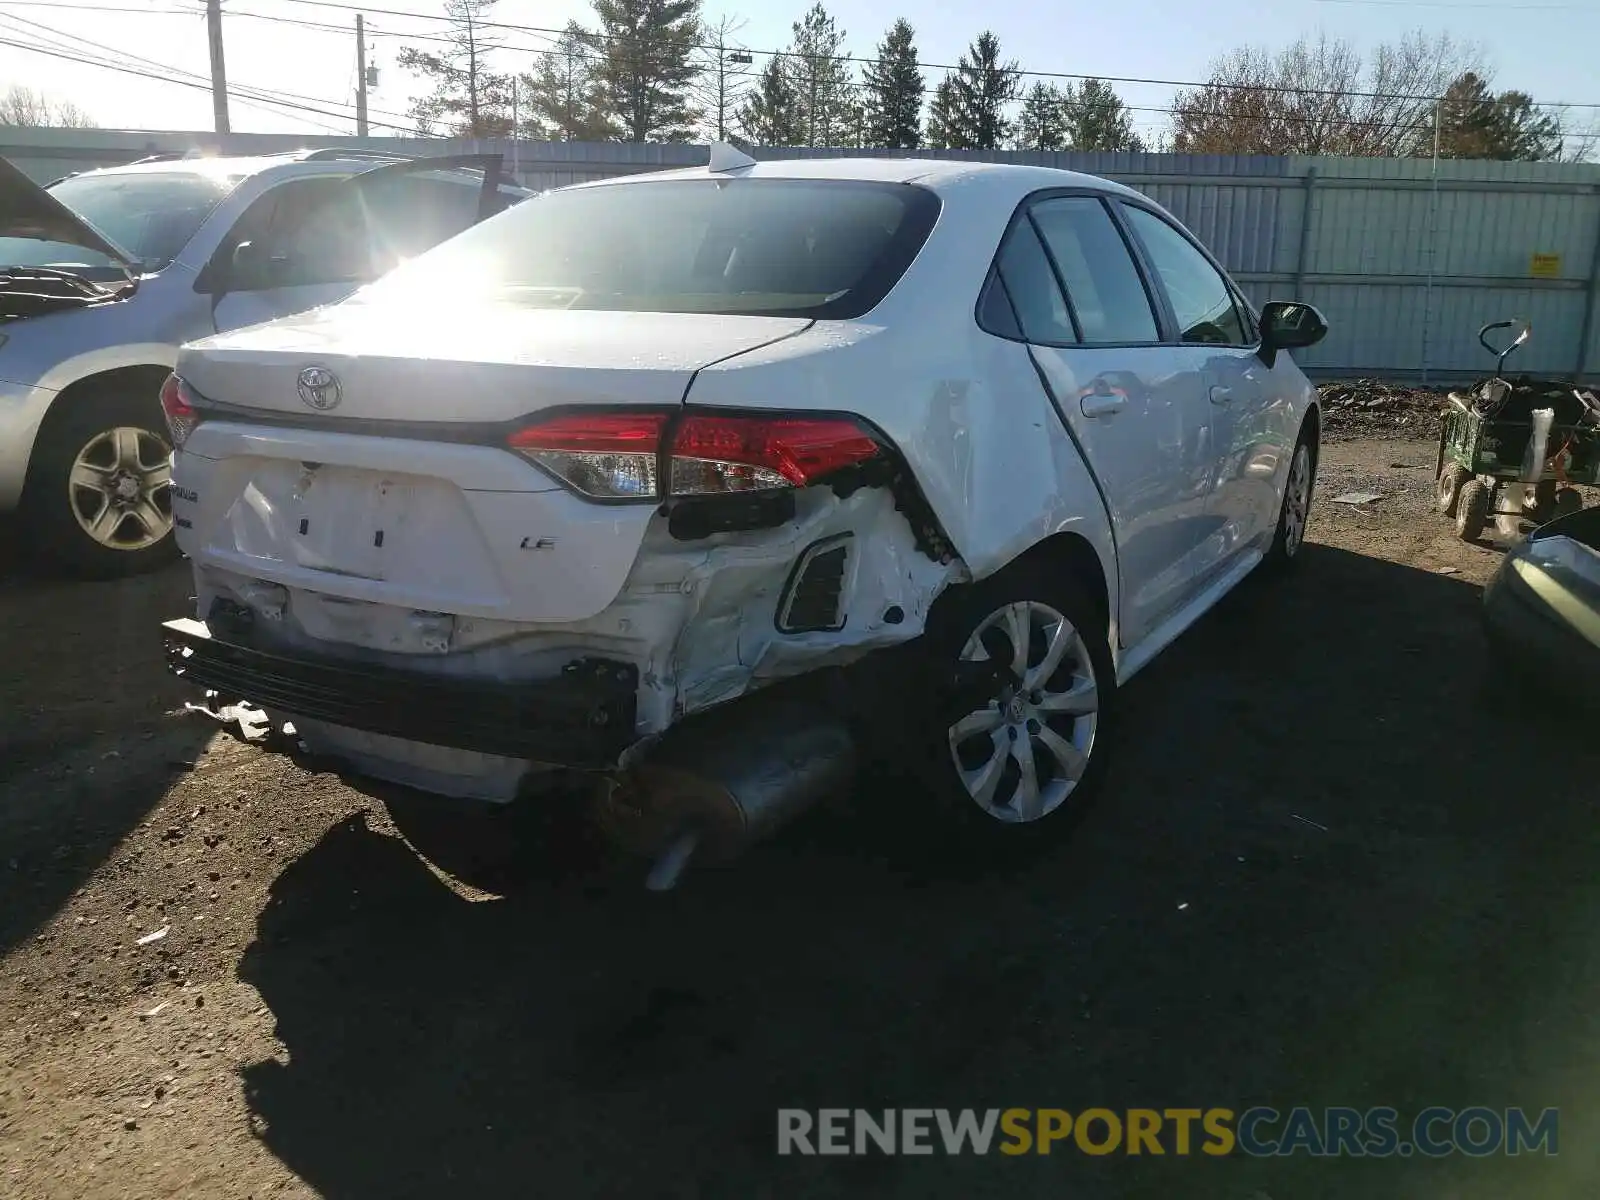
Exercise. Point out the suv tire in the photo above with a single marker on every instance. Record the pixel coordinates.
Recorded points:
(99, 480)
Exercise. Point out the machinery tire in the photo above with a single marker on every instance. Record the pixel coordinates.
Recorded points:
(1567, 500)
(1544, 501)
(1472, 510)
(1449, 487)
(54, 511)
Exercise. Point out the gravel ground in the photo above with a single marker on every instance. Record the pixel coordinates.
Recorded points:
(1333, 866)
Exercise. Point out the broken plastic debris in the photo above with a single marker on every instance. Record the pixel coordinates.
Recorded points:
(156, 936)
(1357, 498)
(1183, 906)
(1309, 821)
(1449, 570)
(253, 724)
(156, 1011)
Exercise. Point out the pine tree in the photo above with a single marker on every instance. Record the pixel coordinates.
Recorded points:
(1096, 119)
(770, 114)
(470, 99)
(1476, 123)
(894, 88)
(983, 88)
(647, 68)
(1041, 125)
(821, 75)
(942, 116)
(564, 99)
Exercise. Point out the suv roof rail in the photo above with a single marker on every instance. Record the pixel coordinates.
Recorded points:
(162, 156)
(338, 152)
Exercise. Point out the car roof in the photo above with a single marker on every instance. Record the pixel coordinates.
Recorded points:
(938, 174)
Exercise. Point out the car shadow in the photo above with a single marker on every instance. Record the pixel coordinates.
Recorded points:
(86, 749)
(1335, 866)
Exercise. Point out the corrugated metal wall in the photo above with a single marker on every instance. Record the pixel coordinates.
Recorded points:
(1359, 238)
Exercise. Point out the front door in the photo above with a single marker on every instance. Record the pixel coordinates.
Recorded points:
(308, 245)
(1219, 344)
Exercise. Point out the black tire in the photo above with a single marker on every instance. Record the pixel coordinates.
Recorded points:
(50, 504)
(960, 824)
(1472, 510)
(1449, 487)
(1290, 536)
(1567, 500)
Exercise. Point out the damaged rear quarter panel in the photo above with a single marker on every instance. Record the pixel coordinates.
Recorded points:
(966, 412)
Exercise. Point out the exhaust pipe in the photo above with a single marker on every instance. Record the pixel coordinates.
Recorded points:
(719, 782)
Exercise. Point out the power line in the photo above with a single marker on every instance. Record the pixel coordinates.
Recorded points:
(168, 75)
(861, 60)
(61, 40)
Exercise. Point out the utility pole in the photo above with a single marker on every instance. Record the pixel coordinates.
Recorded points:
(219, 74)
(361, 75)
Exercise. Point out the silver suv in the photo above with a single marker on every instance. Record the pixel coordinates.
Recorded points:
(103, 275)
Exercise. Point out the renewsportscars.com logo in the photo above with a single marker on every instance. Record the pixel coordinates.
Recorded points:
(1433, 1132)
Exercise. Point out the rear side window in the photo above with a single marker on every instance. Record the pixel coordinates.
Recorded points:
(1201, 299)
(1108, 297)
(829, 249)
(1029, 280)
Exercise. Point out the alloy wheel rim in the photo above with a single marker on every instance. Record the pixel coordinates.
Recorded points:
(1296, 501)
(119, 488)
(1023, 753)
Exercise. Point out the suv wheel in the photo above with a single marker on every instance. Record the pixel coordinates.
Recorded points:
(1021, 764)
(98, 499)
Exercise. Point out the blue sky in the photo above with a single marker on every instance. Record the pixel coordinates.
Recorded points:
(1546, 47)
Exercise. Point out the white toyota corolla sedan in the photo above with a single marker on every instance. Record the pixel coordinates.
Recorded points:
(705, 485)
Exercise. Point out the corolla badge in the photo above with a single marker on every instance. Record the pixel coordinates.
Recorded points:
(319, 388)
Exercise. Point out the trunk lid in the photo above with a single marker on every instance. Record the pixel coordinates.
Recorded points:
(337, 491)
(480, 364)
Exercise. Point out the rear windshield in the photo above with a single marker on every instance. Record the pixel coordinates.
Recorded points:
(777, 247)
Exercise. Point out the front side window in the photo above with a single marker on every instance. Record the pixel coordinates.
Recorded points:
(1108, 296)
(1200, 297)
(828, 249)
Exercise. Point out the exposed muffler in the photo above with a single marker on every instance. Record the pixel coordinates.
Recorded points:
(719, 782)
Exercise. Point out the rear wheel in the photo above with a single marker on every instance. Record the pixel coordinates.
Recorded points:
(98, 498)
(1472, 510)
(1016, 758)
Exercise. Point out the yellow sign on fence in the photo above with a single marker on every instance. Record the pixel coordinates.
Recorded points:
(1545, 266)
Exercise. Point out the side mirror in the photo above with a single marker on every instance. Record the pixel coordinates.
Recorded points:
(1289, 325)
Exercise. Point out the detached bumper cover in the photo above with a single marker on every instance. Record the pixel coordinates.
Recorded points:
(583, 718)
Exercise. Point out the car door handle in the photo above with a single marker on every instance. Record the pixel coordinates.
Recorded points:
(1102, 404)
(1221, 395)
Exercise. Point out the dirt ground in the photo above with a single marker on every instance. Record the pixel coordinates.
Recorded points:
(1334, 865)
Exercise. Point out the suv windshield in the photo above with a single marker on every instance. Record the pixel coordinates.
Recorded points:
(778, 247)
(150, 215)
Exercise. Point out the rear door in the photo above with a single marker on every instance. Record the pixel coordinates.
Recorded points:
(1218, 343)
(1096, 336)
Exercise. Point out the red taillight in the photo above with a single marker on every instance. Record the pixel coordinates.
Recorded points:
(181, 414)
(610, 456)
(616, 455)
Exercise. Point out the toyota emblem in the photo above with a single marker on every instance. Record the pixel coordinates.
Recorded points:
(319, 388)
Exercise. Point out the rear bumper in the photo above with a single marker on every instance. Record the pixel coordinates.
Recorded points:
(583, 718)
